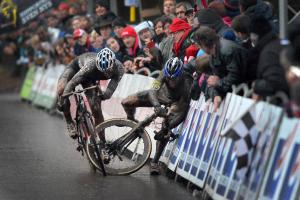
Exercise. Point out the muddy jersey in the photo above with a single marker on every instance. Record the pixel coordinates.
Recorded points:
(83, 70)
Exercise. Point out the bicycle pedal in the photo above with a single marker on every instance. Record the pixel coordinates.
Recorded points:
(74, 137)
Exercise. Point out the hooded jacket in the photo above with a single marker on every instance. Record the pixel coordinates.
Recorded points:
(229, 64)
(270, 76)
(263, 9)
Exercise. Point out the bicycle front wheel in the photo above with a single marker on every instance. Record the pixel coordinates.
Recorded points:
(92, 145)
(132, 156)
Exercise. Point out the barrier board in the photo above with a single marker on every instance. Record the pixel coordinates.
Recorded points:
(27, 84)
(282, 177)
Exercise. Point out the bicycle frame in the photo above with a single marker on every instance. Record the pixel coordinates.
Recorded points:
(82, 114)
(81, 111)
(129, 137)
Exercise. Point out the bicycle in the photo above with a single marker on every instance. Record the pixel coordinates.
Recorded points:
(87, 138)
(128, 152)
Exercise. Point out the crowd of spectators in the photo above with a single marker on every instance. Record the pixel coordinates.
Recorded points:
(227, 43)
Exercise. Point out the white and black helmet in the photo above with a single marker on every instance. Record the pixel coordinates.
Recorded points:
(173, 68)
(105, 59)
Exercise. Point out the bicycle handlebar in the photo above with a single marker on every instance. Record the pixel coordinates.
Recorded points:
(80, 91)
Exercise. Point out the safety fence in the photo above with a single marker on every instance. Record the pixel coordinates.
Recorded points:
(202, 154)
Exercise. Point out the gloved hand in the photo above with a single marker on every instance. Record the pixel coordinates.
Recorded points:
(61, 101)
(160, 111)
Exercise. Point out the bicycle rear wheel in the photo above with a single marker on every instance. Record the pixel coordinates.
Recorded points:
(133, 156)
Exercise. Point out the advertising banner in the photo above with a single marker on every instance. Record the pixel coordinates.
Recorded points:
(27, 84)
(268, 122)
(174, 158)
(16, 13)
(282, 177)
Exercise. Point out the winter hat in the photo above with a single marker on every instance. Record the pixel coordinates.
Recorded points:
(63, 6)
(78, 33)
(118, 22)
(208, 17)
(144, 25)
(128, 31)
(178, 25)
(103, 3)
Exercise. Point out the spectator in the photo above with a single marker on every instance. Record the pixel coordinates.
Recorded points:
(166, 45)
(61, 54)
(54, 32)
(145, 31)
(104, 28)
(97, 41)
(132, 44)
(167, 23)
(85, 24)
(202, 72)
(180, 11)
(208, 17)
(83, 43)
(113, 44)
(169, 8)
(254, 8)
(69, 43)
(76, 22)
(74, 9)
(291, 62)
(227, 61)
(190, 14)
(150, 57)
(182, 46)
(102, 10)
(227, 9)
(241, 26)
(270, 74)
(160, 34)
(118, 26)
(63, 14)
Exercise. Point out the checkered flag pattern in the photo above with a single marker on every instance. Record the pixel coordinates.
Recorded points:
(244, 134)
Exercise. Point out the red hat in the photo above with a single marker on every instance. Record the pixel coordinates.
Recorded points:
(178, 25)
(63, 6)
(128, 31)
(78, 33)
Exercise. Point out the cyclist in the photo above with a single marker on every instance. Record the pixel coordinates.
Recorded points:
(172, 88)
(86, 69)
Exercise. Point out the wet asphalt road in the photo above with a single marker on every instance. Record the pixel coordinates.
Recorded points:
(39, 162)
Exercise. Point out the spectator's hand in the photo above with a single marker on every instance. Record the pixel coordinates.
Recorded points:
(138, 62)
(217, 102)
(147, 41)
(128, 64)
(147, 52)
(256, 97)
(212, 80)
